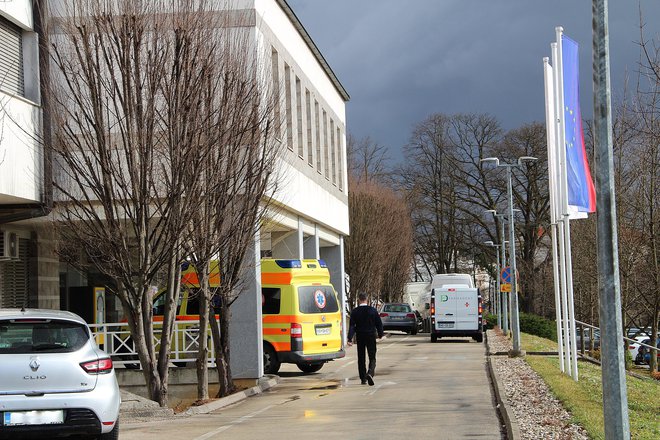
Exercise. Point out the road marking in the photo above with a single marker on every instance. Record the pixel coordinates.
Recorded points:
(377, 387)
(394, 343)
(420, 359)
(344, 366)
(233, 423)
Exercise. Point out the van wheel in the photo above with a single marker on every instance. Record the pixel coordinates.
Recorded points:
(309, 368)
(479, 337)
(434, 338)
(271, 363)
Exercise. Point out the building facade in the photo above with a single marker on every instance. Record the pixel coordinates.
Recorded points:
(309, 216)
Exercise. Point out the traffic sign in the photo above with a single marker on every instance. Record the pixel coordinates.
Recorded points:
(506, 274)
(505, 287)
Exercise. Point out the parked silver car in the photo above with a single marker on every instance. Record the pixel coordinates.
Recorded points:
(54, 380)
(397, 316)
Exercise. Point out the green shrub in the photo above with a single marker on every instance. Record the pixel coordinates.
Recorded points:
(491, 320)
(538, 325)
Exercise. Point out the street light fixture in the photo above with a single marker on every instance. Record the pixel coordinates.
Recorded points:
(515, 320)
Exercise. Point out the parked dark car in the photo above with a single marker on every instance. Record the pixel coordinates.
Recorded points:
(399, 316)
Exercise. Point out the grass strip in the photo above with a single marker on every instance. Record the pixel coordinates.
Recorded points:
(584, 399)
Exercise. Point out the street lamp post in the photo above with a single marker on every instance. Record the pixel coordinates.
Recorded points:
(515, 320)
(498, 304)
(504, 300)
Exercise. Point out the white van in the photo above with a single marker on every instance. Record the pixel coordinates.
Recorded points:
(456, 311)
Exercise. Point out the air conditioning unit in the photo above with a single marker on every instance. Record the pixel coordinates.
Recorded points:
(8, 245)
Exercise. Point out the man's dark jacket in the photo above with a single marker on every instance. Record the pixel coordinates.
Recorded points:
(365, 320)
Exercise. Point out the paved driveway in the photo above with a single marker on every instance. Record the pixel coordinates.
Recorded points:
(422, 391)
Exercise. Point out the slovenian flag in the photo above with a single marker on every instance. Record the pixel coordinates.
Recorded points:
(581, 191)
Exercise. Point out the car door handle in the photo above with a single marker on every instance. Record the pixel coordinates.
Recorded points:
(449, 314)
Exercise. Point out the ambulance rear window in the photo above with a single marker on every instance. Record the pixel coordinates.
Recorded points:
(317, 299)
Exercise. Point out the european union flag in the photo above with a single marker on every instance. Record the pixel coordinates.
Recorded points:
(581, 191)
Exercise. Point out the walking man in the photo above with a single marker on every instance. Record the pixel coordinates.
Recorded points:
(365, 325)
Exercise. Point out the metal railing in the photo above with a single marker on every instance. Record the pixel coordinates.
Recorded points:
(115, 339)
(592, 334)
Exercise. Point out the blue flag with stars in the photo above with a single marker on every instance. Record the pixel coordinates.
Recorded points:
(581, 191)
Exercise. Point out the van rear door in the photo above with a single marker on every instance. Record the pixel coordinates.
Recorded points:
(467, 308)
(320, 319)
(456, 308)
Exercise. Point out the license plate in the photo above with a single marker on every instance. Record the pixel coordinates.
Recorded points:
(323, 330)
(397, 318)
(445, 324)
(33, 418)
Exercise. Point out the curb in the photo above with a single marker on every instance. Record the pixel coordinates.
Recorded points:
(265, 383)
(512, 429)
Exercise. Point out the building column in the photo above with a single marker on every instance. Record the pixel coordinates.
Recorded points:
(245, 328)
(288, 245)
(334, 258)
(311, 245)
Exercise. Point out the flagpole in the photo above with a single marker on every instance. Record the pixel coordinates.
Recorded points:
(561, 190)
(548, 77)
(565, 212)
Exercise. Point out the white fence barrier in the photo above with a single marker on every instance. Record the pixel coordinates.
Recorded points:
(115, 339)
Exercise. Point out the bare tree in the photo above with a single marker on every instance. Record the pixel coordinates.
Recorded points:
(130, 141)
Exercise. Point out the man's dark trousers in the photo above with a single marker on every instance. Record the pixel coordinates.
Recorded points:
(366, 341)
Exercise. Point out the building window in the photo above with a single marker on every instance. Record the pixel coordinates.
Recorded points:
(340, 159)
(11, 58)
(333, 153)
(326, 148)
(299, 111)
(317, 126)
(310, 147)
(289, 115)
(275, 67)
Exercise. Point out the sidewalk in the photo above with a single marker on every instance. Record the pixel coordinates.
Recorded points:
(137, 409)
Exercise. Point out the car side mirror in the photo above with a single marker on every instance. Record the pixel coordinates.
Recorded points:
(427, 306)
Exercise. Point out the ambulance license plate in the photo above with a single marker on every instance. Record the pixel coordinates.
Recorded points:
(323, 330)
(14, 418)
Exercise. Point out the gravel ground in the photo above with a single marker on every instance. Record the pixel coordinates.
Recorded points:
(537, 412)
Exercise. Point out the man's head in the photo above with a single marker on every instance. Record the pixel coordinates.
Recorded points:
(362, 297)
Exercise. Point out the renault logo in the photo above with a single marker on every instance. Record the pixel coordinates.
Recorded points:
(35, 364)
(323, 318)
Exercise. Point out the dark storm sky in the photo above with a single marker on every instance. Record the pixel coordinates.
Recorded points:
(403, 60)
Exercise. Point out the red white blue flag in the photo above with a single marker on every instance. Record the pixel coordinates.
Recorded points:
(581, 191)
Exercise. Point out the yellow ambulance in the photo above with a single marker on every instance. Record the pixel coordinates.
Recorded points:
(301, 315)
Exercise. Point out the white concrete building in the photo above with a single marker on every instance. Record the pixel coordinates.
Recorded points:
(310, 217)
(25, 190)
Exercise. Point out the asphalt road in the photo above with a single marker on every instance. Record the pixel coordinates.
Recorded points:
(422, 391)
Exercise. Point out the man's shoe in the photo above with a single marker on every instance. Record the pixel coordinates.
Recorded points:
(370, 380)
(364, 382)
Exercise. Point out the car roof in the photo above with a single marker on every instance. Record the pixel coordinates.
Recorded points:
(40, 314)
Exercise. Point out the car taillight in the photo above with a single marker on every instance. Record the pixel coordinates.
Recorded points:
(480, 309)
(382, 315)
(101, 366)
(296, 330)
(410, 315)
(432, 309)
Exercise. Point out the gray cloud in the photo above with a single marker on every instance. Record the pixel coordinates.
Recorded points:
(404, 60)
